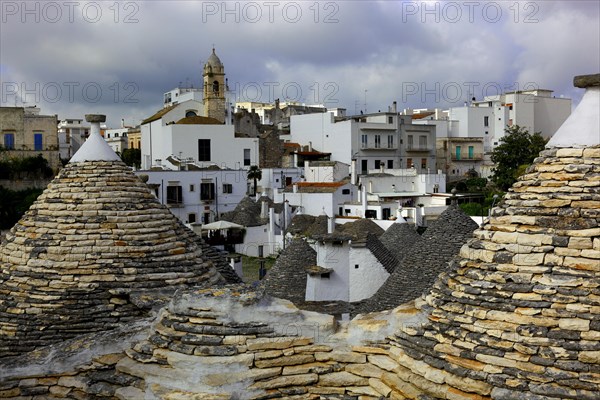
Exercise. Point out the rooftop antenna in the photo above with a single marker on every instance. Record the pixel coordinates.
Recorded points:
(366, 100)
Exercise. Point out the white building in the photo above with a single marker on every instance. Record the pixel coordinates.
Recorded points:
(180, 131)
(349, 268)
(72, 133)
(325, 188)
(180, 95)
(200, 196)
(466, 135)
(117, 139)
(373, 140)
(397, 194)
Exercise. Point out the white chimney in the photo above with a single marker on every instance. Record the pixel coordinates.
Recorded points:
(264, 209)
(310, 146)
(364, 201)
(295, 188)
(330, 224)
(353, 172)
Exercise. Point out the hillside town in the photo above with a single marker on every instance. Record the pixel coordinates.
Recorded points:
(228, 249)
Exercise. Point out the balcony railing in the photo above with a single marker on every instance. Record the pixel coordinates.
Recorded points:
(467, 157)
(417, 147)
(372, 147)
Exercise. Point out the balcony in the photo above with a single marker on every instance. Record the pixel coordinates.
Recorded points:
(467, 157)
(417, 148)
(381, 148)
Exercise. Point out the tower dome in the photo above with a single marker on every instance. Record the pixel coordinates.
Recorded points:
(214, 60)
(94, 240)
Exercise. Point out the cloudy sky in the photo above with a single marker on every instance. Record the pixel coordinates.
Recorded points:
(118, 58)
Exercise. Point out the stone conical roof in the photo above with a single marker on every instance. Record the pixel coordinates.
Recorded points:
(74, 262)
(399, 238)
(287, 278)
(518, 315)
(424, 261)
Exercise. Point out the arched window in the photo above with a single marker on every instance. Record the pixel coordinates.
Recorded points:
(190, 113)
(215, 87)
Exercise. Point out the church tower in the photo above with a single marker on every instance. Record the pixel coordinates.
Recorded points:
(214, 88)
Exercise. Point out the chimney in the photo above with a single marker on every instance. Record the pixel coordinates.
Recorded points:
(364, 200)
(95, 120)
(330, 224)
(310, 146)
(286, 213)
(264, 208)
(122, 122)
(295, 188)
(353, 172)
(394, 107)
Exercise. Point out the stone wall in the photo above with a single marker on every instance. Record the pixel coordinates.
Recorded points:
(518, 315)
(230, 343)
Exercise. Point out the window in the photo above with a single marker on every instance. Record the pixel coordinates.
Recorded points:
(192, 188)
(458, 152)
(227, 188)
(9, 141)
(377, 141)
(409, 163)
(486, 121)
(246, 157)
(38, 141)
(390, 164)
(390, 120)
(190, 113)
(191, 218)
(355, 266)
(363, 166)
(377, 164)
(423, 163)
(345, 191)
(203, 149)
(207, 191)
(326, 275)
(363, 141)
(371, 214)
(390, 141)
(409, 142)
(471, 152)
(116, 134)
(174, 195)
(423, 142)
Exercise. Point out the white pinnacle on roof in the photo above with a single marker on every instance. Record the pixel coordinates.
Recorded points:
(95, 147)
(582, 128)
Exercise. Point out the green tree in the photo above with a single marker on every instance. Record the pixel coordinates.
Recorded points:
(132, 157)
(517, 150)
(255, 174)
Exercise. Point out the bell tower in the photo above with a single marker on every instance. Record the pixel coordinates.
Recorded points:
(214, 88)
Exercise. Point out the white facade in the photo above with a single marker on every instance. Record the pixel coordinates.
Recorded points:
(356, 274)
(378, 140)
(163, 137)
(71, 135)
(180, 95)
(198, 196)
(278, 178)
(117, 139)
